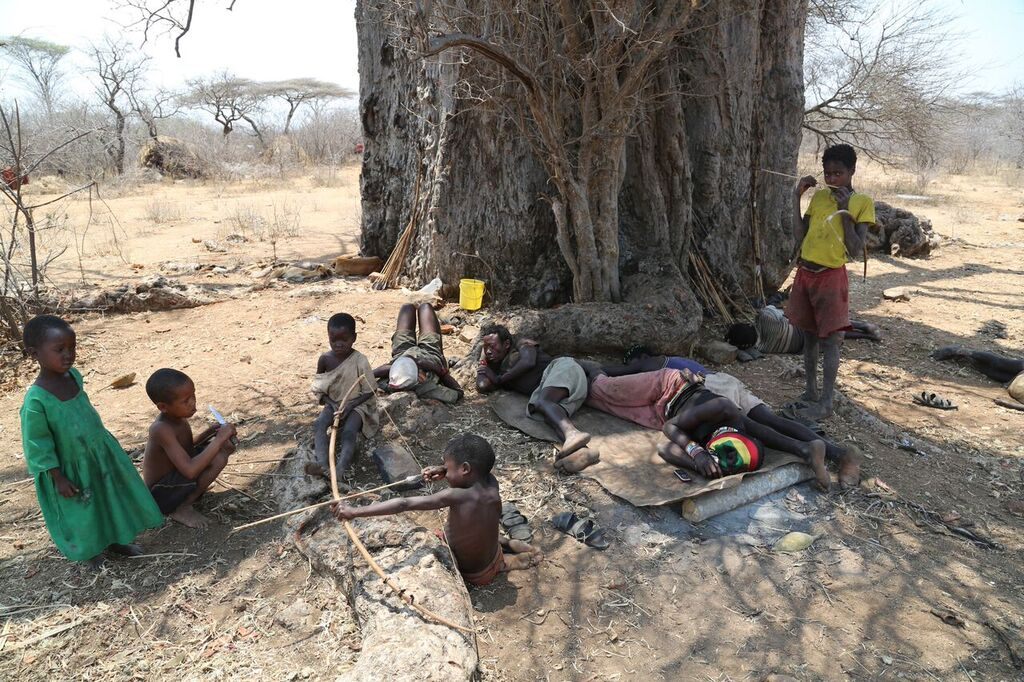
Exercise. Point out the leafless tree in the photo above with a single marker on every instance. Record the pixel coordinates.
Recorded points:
(117, 70)
(296, 92)
(580, 71)
(153, 106)
(173, 16)
(876, 73)
(39, 67)
(20, 290)
(229, 99)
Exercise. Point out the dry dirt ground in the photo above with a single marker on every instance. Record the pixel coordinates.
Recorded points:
(887, 591)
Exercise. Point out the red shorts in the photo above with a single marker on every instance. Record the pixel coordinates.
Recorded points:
(820, 301)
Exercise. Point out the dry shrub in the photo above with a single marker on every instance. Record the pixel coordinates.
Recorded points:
(160, 211)
(172, 157)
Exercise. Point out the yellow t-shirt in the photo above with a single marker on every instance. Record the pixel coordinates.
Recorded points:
(824, 244)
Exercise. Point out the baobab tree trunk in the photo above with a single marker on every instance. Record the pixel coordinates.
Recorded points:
(726, 103)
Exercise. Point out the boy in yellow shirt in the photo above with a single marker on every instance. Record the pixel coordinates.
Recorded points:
(831, 232)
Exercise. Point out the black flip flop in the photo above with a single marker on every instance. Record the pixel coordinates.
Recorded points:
(514, 523)
(582, 530)
(926, 399)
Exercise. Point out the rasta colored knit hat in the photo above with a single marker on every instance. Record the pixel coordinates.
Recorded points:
(735, 452)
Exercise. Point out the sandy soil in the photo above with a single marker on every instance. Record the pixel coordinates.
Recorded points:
(666, 600)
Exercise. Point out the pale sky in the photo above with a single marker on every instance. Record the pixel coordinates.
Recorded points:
(258, 39)
(317, 38)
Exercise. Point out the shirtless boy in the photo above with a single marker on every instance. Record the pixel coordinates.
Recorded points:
(557, 388)
(474, 504)
(178, 469)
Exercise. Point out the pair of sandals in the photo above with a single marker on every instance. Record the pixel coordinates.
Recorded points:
(926, 399)
(582, 530)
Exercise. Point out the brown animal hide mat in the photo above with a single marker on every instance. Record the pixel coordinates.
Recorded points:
(630, 467)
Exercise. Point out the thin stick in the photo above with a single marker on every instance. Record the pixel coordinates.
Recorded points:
(46, 635)
(17, 483)
(237, 490)
(1008, 404)
(405, 481)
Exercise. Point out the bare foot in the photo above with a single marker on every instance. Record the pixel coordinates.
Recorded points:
(849, 468)
(187, 516)
(519, 562)
(314, 469)
(574, 440)
(578, 461)
(821, 475)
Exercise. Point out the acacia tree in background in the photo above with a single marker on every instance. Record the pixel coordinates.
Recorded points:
(39, 67)
(296, 92)
(581, 74)
(877, 74)
(116, 70)
(229, 99)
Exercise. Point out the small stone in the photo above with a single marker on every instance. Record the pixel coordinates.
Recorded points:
(887, 660)
(306, 673)
(247, 359)
(469, 333)
(896, 294)
(447, 329)
(718, 352)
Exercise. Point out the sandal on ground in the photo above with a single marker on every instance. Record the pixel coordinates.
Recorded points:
(582, 530)
(926, 399)
(514, 523)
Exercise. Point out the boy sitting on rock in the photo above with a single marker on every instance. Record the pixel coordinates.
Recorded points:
(474, 504)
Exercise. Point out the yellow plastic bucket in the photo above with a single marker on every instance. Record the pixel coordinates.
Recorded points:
(471, 294)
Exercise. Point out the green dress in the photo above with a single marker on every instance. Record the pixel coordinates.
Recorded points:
(113, 504)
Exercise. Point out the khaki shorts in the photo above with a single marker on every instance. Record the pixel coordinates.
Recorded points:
(427, 347)
(728, 386)
(562, 373)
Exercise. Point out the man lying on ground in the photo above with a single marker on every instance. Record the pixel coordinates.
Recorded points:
(557, 387)
(1001, 368)
(773, 333)
(652, 398)
(418, 363)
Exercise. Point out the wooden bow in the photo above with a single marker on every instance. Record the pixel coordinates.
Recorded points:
(402, 594)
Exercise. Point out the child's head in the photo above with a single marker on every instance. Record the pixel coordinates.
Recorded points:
(637, 352)
(840, 163)
(468, 458)
(341, 332)
(172, 392)
(497, 342)
(51, 342)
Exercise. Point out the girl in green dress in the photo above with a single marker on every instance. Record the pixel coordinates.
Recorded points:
(91, 496)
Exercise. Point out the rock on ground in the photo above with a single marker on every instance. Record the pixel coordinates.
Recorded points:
(398, 643)
(899, 232)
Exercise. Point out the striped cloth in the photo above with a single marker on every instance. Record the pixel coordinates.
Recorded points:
(775, 334)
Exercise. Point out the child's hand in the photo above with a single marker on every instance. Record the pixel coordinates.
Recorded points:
(435, 473)
(842, 196)
(65, 487)
(805, 183)
(227, 432)
(343, 512)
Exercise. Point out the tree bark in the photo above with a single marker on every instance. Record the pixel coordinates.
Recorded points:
(726, 103)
